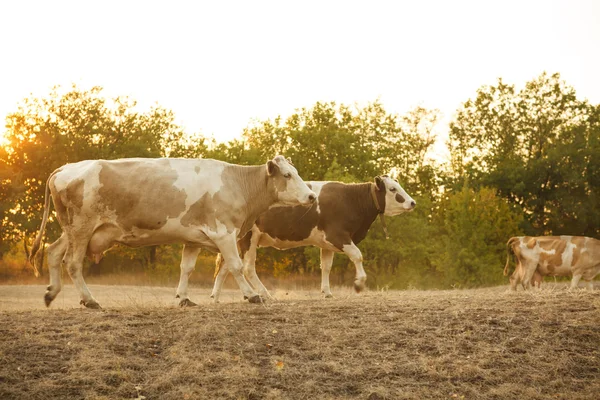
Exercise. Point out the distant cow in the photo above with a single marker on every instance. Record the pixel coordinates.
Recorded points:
(337, 222)
(554, 256)
(142, 202)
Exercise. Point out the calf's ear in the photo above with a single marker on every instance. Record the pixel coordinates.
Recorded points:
(379, 183)
(271, 167)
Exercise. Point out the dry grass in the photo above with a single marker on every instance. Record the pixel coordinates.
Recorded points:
(472, 344)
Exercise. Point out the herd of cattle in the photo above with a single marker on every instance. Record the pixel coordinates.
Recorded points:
(232, 210)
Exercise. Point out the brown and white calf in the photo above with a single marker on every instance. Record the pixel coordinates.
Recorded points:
(536, 257)
(336, 223)
(141, 202)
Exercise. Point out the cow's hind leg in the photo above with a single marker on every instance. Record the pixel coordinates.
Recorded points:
(590, 284)
(228, 248)
(188, 262)
(56, 253)
(575, 281)
(74, 262)
(356, 257)
(529, 269)
(326, 263)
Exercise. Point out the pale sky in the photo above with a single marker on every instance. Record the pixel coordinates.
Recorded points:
(220, 64)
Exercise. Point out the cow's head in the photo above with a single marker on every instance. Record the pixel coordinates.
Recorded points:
(289, 187)
(395, 199)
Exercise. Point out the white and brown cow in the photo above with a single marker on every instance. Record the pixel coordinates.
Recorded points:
(141, 202)
(337, 222)
(575, 256)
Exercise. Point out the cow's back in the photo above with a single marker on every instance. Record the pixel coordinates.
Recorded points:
(335, 219)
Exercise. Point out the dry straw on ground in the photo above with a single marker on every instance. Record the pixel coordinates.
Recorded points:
(471, 344)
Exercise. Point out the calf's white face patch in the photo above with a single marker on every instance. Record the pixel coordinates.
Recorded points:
(397, 200)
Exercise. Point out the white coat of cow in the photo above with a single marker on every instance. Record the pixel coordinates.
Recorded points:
(576, 256)
(141, 202)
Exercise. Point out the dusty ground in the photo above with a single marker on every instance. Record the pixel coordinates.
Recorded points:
(472, 344)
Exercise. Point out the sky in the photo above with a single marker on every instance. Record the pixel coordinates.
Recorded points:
(219, 65)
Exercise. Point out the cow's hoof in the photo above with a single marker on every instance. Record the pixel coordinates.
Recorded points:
(359, 286)
(48, 298)
(256, 299)
(212, 296)
(187, 303)
(328, 296)
(92, 304)
(176, 296)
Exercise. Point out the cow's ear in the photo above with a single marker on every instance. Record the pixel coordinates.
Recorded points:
(379, 183)
(271, 167)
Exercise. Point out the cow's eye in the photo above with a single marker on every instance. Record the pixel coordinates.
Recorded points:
(392, 189)
(287, 176)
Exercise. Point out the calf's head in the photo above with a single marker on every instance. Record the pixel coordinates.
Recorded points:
(287, 184)
(395, 199)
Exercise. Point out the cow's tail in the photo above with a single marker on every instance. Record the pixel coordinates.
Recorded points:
(38, 239)
(509, 246)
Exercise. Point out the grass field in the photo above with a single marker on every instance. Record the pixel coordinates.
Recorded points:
(471, 344)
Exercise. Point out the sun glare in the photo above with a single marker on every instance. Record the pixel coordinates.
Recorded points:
(3, 141)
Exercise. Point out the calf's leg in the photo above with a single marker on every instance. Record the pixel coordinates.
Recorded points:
(356, 257)
(326, 263)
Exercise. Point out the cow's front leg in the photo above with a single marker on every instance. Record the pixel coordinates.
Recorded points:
(326, 262)
(188, 262)
(228, 248)
(356, 257)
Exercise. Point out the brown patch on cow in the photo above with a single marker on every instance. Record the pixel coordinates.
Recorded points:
(202, 212)
(556, 247)
(399, 198)
(346, 214)
(197, 169)
(531, 242)
(289, 223)
(74, 193)
(243, 191)
(141, 193)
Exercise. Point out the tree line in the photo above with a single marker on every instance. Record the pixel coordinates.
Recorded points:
(521, 161)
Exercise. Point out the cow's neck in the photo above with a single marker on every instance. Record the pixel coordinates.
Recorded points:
(367, 210)
(258, 195)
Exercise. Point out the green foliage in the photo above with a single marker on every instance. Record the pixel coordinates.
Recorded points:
(521, 161)
(46, 133)
(475, 227)
(535, 146)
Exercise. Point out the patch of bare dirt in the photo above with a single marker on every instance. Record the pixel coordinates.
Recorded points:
(471, 344)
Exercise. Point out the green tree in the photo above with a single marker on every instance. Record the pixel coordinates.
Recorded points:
(535, 147)
(69, 126)
(475, 227)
